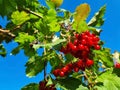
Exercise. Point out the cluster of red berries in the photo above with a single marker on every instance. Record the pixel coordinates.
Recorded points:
(117, 65)
(42, 86)
(80, 48)
(79, 65)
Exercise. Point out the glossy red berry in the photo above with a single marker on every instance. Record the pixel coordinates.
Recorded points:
(117, 65)
(81, 47)
(61, 73)
(97, 47)
(65, 69)
(89, 63)
(76, 69)
(56, 72)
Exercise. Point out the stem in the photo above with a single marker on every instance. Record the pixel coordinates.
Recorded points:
(89, 81)
(45, 63)
(31, 12)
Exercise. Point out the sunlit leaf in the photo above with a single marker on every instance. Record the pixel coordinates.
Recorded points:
(97, 20)
(70, 83)
(82, 12)
(31, 86)
(80, 26)
(34, 66)
(19, 18)
(2, 51)
(49, 44)
(24, 37)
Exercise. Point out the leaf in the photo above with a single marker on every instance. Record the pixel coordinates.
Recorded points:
(103, 55)
(82, 12)
(100, 88)
(54, 60)
(34, 66)
(31, 86)
(80, 26)
(97, 20)
(69, 83)
(81, 87)
(16, 50)
(110, 85)
(109, 80)
(52, 20)
(19, 18)
(24, 37)
(2, 51)
(54, 26)
(49, 44)
(7, 7)
(50, 4)
(54, 3)
(116, 71)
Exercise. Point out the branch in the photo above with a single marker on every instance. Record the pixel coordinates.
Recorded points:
(6, 35)
(31, 12)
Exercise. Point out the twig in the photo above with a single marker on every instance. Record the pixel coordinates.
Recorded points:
(6, 33)
(31, 12)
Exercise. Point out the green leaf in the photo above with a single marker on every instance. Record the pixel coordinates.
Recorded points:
(97, 20)
(104, 55)
(34, 66)
(16, 50)
(70, 58)
(110, 85)
(82, 12)
(7, 7)
(31, 86)
(49, 44)
(54, 26)
(2, 51)
(52, 20)
(24, 37)
(19, 18)
(81, 87)
(100, 88)
(109, 80)
(54, 60)
(116, 71)
(69, 83)
(80, 26)
(50, 4)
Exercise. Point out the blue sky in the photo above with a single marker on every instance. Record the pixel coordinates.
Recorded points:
(12, 70)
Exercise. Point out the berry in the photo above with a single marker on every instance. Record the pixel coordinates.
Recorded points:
(83, 41)
(65, 69)
(97, 47)
(81, 47)
(117, 65)
(61, 73)
(56, 72)
(89, 63)
(76, 69)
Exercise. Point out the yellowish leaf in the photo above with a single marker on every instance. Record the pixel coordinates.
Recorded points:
(82, 12)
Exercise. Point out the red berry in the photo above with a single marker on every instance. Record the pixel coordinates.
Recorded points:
(97, 47)
(61, 73)
(75, 42)
(96, 38)
(77, 35)
(81, 47)
(79, 63)
(83, 41)
(56, 72)
(65, 69)
(76, 69)
(89, 63)
(117, 65)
